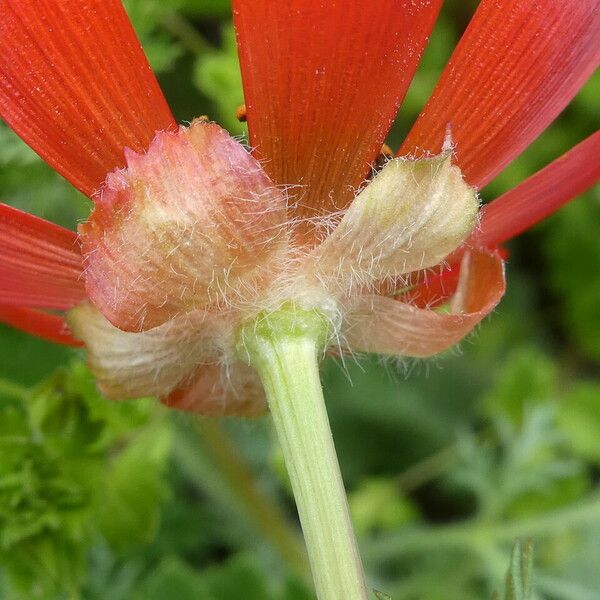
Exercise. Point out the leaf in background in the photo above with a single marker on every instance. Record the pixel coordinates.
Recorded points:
(60, 448)
(25, 359)
(579, 419)
(575, 558)
(13, 151)
(240, 577)
(173, 579)
(519, 575)
(217, 75)
(37, 189)
(572, 245)
(527, 378)
(295, 590)
(44, 503)
(402, 415)
(206, 9)
(72, 415)
(129, 501)
(160, 48)
(109, 576)
(516, 471)
(377, 504)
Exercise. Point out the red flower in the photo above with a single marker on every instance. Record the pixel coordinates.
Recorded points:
(189, 236)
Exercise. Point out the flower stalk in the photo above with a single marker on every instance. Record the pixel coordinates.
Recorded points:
(284, 347)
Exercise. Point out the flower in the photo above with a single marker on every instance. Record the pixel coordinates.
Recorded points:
(192, 235)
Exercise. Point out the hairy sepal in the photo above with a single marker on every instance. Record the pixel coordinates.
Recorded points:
(217, 390)
(385, 325)
(185, 362)
(410, 217)
(193, 222)
(134, 364)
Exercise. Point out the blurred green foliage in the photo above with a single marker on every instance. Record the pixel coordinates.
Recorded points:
(73, 468)
(447, 462)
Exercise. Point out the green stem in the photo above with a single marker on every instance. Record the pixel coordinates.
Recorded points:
(284, 347)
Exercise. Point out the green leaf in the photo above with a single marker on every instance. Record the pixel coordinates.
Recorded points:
(579, 419)
(240, 577)
(573, 249)
(160, 48)
(129, 502)
(62, 449)
(13, 151)
(205, 9)
(173, 579)
(217, 75)
(26, 359)
(378, 505)
(527, 378)
(519, 575)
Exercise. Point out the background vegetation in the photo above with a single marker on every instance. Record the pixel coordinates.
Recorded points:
(446, 461)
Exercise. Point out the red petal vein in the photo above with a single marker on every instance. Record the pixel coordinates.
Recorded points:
(517, 66)
(323, 82)
(43, 325)
(40, 262)
(539, 196)
(76, 86)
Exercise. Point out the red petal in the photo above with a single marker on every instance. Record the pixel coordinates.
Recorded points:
(433, 289)
(44, 325)
(40, 263)
(386, 326)
(215, 391)
(517, 66)
(323, 82)
(76, 86)
(540, 195)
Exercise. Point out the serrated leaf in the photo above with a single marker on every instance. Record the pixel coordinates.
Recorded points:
(58, 451)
